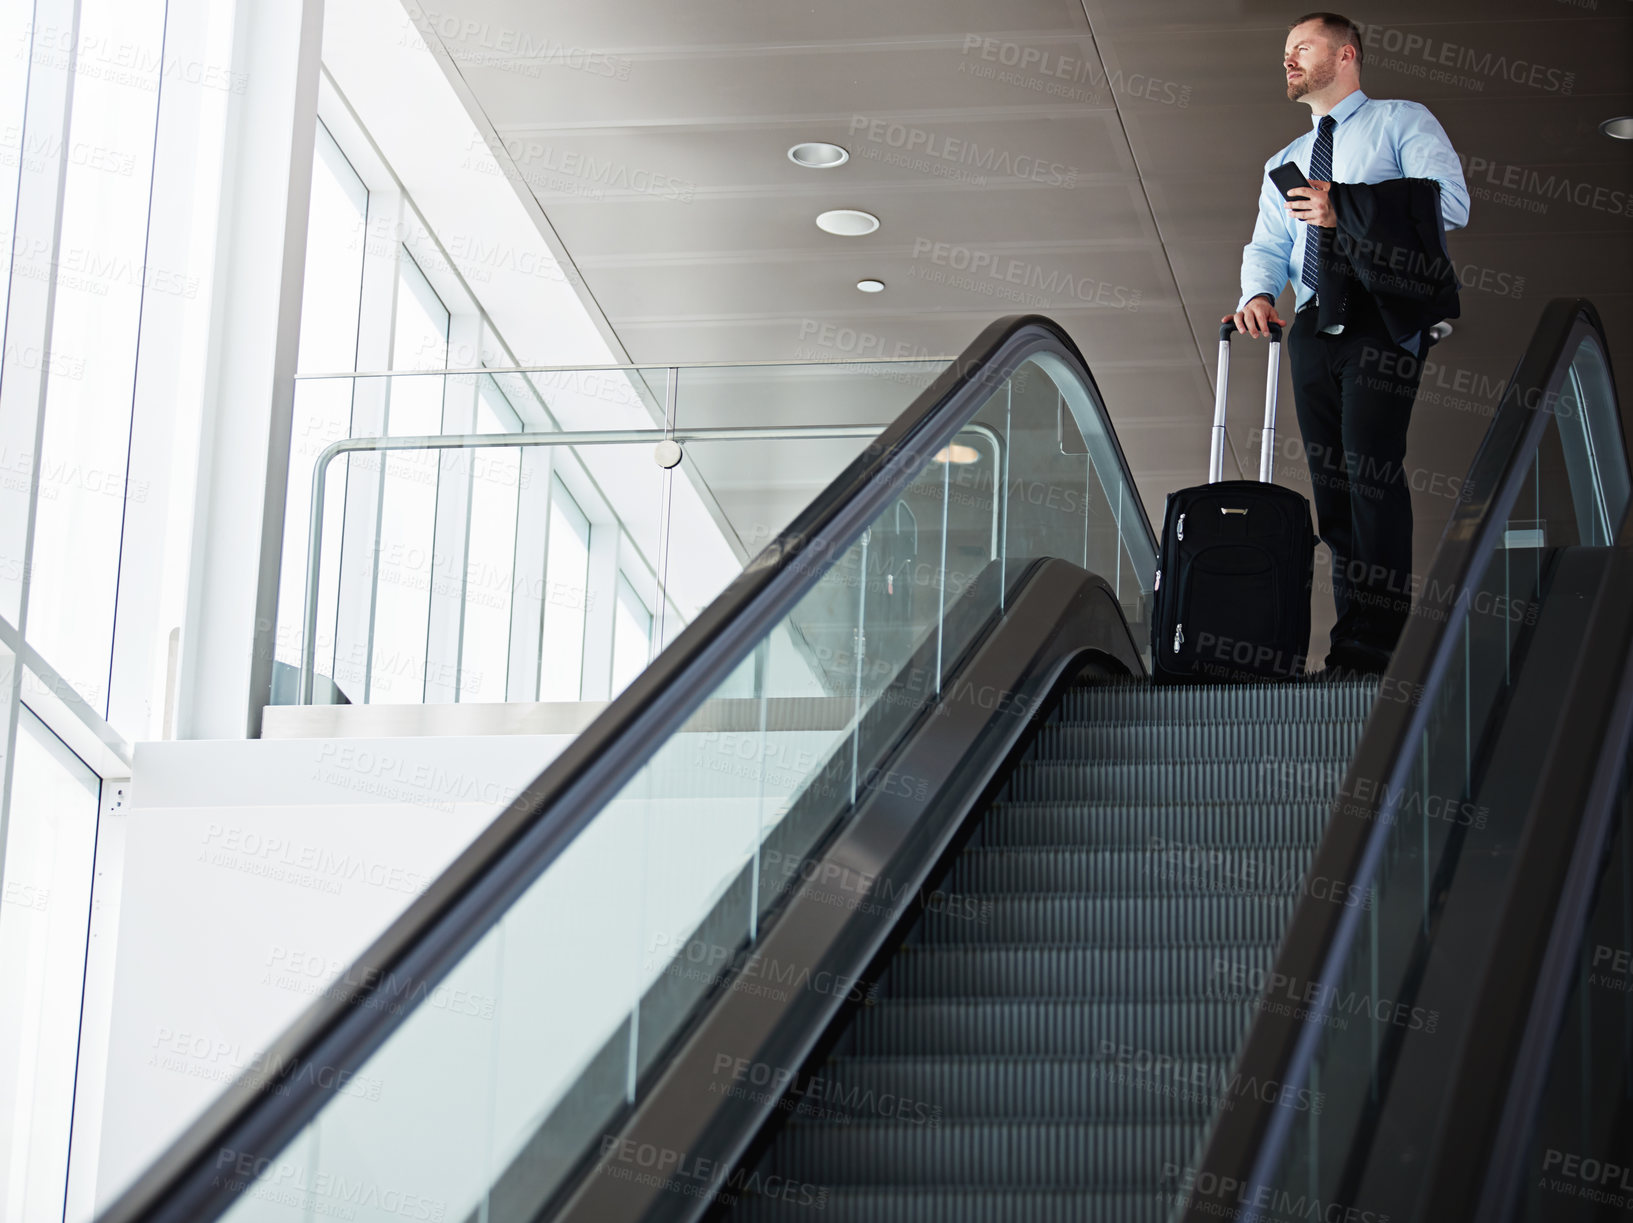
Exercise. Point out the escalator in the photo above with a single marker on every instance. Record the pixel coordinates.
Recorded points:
(1058, 1030)
(892, 889)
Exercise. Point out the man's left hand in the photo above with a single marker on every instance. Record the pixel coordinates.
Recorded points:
(1312, 205)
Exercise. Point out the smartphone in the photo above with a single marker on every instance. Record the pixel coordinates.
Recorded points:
(1287, 176)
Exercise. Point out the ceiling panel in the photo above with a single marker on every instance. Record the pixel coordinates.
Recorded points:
(1015, 280)
(755, 84)
(560, 27)
(1115, 142)
(1079, 145)
(915, 217)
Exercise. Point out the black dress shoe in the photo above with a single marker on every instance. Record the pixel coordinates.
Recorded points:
(1333, 675)
(1357, 665)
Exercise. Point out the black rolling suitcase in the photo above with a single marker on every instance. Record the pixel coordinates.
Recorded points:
(1232, 596)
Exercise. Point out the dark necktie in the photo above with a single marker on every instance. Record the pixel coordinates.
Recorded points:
(1320, 171)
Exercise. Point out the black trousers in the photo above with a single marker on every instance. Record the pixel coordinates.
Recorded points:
(1354, 394)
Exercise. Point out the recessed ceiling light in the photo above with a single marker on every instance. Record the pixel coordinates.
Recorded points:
(1619, 128)
(958, 454)
(818, 155)
(847, 222)
(871, 286)
(1440, 331)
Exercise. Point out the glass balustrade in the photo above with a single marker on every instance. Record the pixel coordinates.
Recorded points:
(555, 1015)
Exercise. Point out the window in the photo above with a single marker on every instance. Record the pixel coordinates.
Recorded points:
(567, 574)
(46, 902)
(490, 556)
(101, 274)
(408, 504)
(330, 308)
(631, 636)
(334, 264)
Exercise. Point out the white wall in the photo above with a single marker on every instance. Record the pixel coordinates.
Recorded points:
(246, 876)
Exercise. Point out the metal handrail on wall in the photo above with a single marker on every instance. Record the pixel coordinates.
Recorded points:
(604, 437)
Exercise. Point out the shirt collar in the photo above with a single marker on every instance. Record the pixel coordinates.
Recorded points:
(1351, 103)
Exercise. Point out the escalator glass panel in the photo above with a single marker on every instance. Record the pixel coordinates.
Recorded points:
(1580, 1164)
(500, 1076)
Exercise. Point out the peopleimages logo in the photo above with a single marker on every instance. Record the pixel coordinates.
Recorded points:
(1437, 59)
(1053, 284)
(1508, 184)
(988, 159)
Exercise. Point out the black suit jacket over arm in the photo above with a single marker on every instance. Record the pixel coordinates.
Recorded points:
(1391, 242)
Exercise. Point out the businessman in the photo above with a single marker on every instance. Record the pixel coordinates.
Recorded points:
(1382, 175)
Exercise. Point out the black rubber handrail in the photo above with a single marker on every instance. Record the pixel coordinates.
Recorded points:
(1243, 1151)
(259, 1113)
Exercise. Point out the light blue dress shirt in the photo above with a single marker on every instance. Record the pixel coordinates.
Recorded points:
(1374, 140)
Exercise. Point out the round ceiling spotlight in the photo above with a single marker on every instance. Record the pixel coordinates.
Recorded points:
(847, 222)
(871, 286)
(1619, 128)
(818, 155)
(1440, 331)
(958, 453)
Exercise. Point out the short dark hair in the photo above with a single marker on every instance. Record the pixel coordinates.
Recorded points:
(1340, 31)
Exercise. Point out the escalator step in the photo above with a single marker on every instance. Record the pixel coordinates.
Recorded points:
(923, 1204)
(1161, 974)
(1224, 703)
(1022, 1154)
(1170, 869)
(1051, 1039)
(1028, 1027)
(1107, 922)
(1133, 825)
(1124, 1084)
(1133, 742)
(1272, 779)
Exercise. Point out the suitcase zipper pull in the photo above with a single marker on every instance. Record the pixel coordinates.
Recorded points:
(1179, 636)
(1179, 528)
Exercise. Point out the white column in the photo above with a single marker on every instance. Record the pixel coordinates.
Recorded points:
(226, 665)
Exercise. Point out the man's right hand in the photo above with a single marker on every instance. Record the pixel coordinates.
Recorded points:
(1255, 317)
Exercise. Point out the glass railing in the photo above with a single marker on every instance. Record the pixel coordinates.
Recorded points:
(1428, 790)
(1577, 1167)
(525, 1001)
(518, 534)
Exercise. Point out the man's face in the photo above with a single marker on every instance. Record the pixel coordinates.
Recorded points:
(1310, 60)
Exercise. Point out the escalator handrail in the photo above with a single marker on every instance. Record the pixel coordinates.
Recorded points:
(264, 1109)
(1280, 1047)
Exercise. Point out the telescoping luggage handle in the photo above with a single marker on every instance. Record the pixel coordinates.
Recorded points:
(1267, 443)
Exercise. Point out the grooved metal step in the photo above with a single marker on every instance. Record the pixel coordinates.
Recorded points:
(1121, 1083)
(1244, 781)
(1173, 868)
(1023, 1154)
(1136, 742)
(1034, 1027)
(1145, 973)
(918, 1204)
(1133, 825)
(1115, 921)
(1218, 703)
